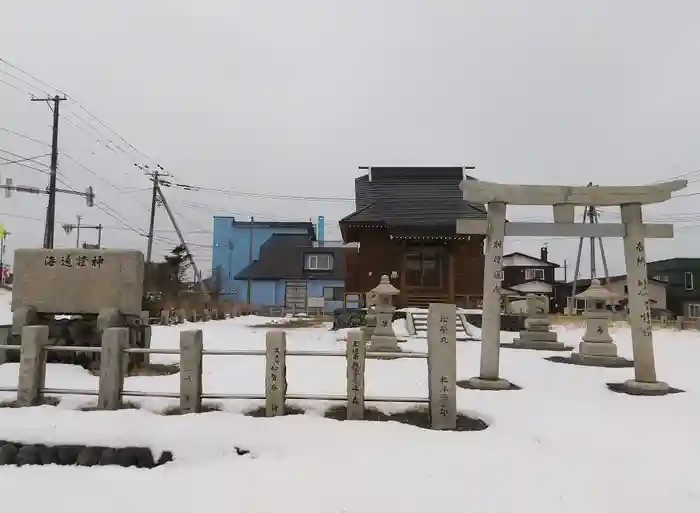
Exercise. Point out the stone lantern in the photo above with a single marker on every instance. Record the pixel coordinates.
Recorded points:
(383, 338)
(370, 317)
(537, 334)
(597, 347)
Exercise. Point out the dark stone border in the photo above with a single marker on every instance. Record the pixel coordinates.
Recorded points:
(417, 417)
(259, 412)
(206, 408)
(15, 453)
(622, 388)
(507, 345)
(465, 384)
(45, 401)
(622, 363)
(126, 405)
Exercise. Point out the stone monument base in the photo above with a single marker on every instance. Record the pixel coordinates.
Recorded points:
(538, 341)
(584, 360)
(634, 387)
(478, 383)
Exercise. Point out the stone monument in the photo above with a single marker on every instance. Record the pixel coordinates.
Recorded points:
(383, 339)
(96, 289)
(537, 334)
(597, 347)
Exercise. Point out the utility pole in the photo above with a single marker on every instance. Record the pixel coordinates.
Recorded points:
(155, 177)
(51, 208)
(3, 236)
(77, 235)
(207, 296)
(590, 214)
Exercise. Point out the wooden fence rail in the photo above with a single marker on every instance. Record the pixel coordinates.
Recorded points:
(441, 360)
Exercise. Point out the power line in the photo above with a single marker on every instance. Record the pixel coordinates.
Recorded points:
(21, 80)
(23, 159)
(23, 136)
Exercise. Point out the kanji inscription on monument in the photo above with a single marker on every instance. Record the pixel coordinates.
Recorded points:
(442, 365)
(70, 281)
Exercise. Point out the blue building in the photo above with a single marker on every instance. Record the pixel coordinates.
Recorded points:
(277, 264)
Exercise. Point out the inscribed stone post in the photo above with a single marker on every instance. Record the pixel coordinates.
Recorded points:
(491, 309)
(114, 341)
(275, 375)
(638, 294)
(356, 351)
(191, 347)
(442, 365)
(32, 365)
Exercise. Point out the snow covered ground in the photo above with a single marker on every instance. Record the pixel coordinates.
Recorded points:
(562, 444)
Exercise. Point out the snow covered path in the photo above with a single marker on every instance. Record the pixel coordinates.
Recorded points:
(562, 444)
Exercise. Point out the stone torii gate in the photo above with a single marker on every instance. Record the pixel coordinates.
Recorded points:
(564, 199)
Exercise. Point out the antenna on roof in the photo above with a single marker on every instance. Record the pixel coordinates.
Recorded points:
(464, 171)
(368, 169)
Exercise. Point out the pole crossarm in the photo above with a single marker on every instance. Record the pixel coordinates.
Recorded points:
(597, 230)
(477, 191)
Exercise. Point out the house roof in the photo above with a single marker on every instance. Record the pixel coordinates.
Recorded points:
(304, 225)
(282, 257)
(412, 197)
(534, 259)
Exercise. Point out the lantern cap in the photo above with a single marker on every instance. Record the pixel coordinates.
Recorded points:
(385, 288)
(597, 292)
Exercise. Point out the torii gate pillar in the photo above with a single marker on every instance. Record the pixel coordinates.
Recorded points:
(563, 200)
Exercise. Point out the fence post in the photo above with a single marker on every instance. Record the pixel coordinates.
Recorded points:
(191, 347)
(276, 372)
(356, 351)
(442, 365)
(32, 365)
(112, 368)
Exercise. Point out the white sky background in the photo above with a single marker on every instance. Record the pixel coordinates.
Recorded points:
(290, 97)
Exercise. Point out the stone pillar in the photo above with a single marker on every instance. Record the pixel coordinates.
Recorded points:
(276, 375)
(638, 300)
(355, 352)
(112, 368)
(491, 317)
(442, 365)
(32, 365)
(537, 334)
(679, 322)
(191, 347)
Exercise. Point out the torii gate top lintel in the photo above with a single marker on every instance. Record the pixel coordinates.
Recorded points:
(477, 191)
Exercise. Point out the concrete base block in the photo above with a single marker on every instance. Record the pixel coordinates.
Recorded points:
(633, 387)
(598, 349)
(537, 345)
(600, 361)
(382, 343)
(478, 383)
(549, 336)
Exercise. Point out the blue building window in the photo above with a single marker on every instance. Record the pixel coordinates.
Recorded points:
(318, 262)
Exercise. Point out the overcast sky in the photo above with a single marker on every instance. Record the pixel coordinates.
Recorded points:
(290, 97)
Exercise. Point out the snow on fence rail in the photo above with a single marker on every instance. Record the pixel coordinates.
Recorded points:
(441, 359)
